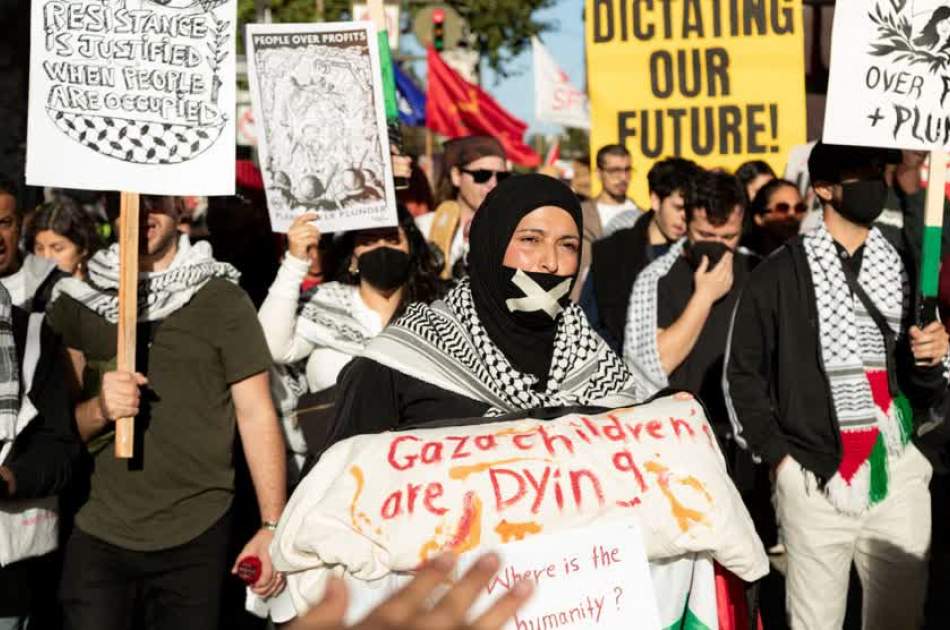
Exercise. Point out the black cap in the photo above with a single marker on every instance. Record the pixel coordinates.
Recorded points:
(832, 163)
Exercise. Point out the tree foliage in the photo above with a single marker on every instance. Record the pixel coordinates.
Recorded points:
(501, 29)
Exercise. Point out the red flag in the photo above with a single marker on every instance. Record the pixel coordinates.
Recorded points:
(455, 107)
(554, 153)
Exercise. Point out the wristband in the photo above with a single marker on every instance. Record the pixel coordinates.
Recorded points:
(270, 526)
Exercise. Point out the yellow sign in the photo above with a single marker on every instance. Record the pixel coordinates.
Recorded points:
(716, 81)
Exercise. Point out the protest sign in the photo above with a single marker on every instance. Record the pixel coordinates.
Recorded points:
(719, 82)
(596, 577)
(321, 124)
(132, 95)
(890, 75)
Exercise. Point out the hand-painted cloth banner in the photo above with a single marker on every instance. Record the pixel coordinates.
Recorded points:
(718, 82)
(890, 74)
(132, 95)
(321, 121)
(378, 504)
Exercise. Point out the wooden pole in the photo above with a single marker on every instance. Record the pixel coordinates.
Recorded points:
(128, 310)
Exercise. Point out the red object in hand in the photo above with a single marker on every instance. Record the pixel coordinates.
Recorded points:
(249, 570)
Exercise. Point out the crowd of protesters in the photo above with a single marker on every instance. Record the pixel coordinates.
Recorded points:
(791, 314)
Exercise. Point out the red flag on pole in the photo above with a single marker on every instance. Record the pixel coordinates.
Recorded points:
(455, 107)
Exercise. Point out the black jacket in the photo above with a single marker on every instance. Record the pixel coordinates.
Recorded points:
(616, 261)
(777, 392)
(43, 459)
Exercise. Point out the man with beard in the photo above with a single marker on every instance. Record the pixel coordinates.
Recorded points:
(158, 524)
(618, 259)
(681, 305)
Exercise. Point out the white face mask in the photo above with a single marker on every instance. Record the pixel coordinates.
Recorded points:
(537, 298)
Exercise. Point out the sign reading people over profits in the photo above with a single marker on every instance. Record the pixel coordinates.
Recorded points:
(318, 104)
(718, 81)
(890, 74)
(133, 95)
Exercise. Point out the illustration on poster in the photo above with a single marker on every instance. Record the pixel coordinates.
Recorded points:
(915, 33)
(137, 80)
(317, 101)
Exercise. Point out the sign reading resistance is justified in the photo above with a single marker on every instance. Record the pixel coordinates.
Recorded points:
(719, 81)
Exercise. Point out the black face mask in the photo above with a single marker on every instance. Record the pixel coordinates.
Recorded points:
(385, 268)
(862, 202)
(527, 306)
(713, 250)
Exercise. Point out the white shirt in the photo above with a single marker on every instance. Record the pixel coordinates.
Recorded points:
(278, 317)
(15, 284)
(608, 211)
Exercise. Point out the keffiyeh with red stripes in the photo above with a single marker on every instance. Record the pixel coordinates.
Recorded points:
(875, 424)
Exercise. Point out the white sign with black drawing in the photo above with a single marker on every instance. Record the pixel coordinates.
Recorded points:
(134, 95)
(890, 74)
(321, 120)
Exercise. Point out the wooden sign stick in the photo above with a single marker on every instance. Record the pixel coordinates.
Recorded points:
(932, 237)
(128, 310)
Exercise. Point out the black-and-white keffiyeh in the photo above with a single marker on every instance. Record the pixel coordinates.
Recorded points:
(326, 319)
(875, 424)
(445, 344)
(640, 350)
(161, 293)
(9, 371)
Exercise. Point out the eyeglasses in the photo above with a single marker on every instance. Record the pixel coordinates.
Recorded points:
(483, 175)
(783, 208)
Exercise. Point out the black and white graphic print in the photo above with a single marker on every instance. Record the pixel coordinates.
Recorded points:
(322, 140)
(890, 74)
(146, 83)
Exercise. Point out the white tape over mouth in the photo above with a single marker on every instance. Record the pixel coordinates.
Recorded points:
(536, 298)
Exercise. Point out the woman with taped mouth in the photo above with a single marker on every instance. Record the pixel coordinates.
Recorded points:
(503, 340)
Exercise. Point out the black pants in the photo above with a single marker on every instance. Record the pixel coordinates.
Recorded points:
(180, 587)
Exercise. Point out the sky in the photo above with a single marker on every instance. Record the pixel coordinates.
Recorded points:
(565, 42)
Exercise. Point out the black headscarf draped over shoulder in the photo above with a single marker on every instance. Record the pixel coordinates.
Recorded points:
(528, 349)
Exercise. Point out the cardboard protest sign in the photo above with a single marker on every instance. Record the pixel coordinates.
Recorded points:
(718, 82)
(321, 124)
(596, 577)
(133, 95)
(890, 74)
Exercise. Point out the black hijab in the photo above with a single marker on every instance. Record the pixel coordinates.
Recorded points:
(527, 348)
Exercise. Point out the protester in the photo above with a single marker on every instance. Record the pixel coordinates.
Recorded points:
(611, 210)
(681, 305)
(412, 607)
(473, 166)
(777, 211)
(64, 233)
(39, 452)
(318, 332)
(417, 196)
(158, 524)
(617, 259)
(753, 175)
(506, 339)
(823, 371)
(27, 278)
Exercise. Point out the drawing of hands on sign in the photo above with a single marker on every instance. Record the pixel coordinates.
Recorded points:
(408, 608)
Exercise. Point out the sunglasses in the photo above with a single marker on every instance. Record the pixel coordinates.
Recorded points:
(783, 208)
(483, 175)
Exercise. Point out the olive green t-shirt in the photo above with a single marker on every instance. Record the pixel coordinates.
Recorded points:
(182, 478)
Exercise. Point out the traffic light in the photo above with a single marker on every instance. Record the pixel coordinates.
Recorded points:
(438, 29)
